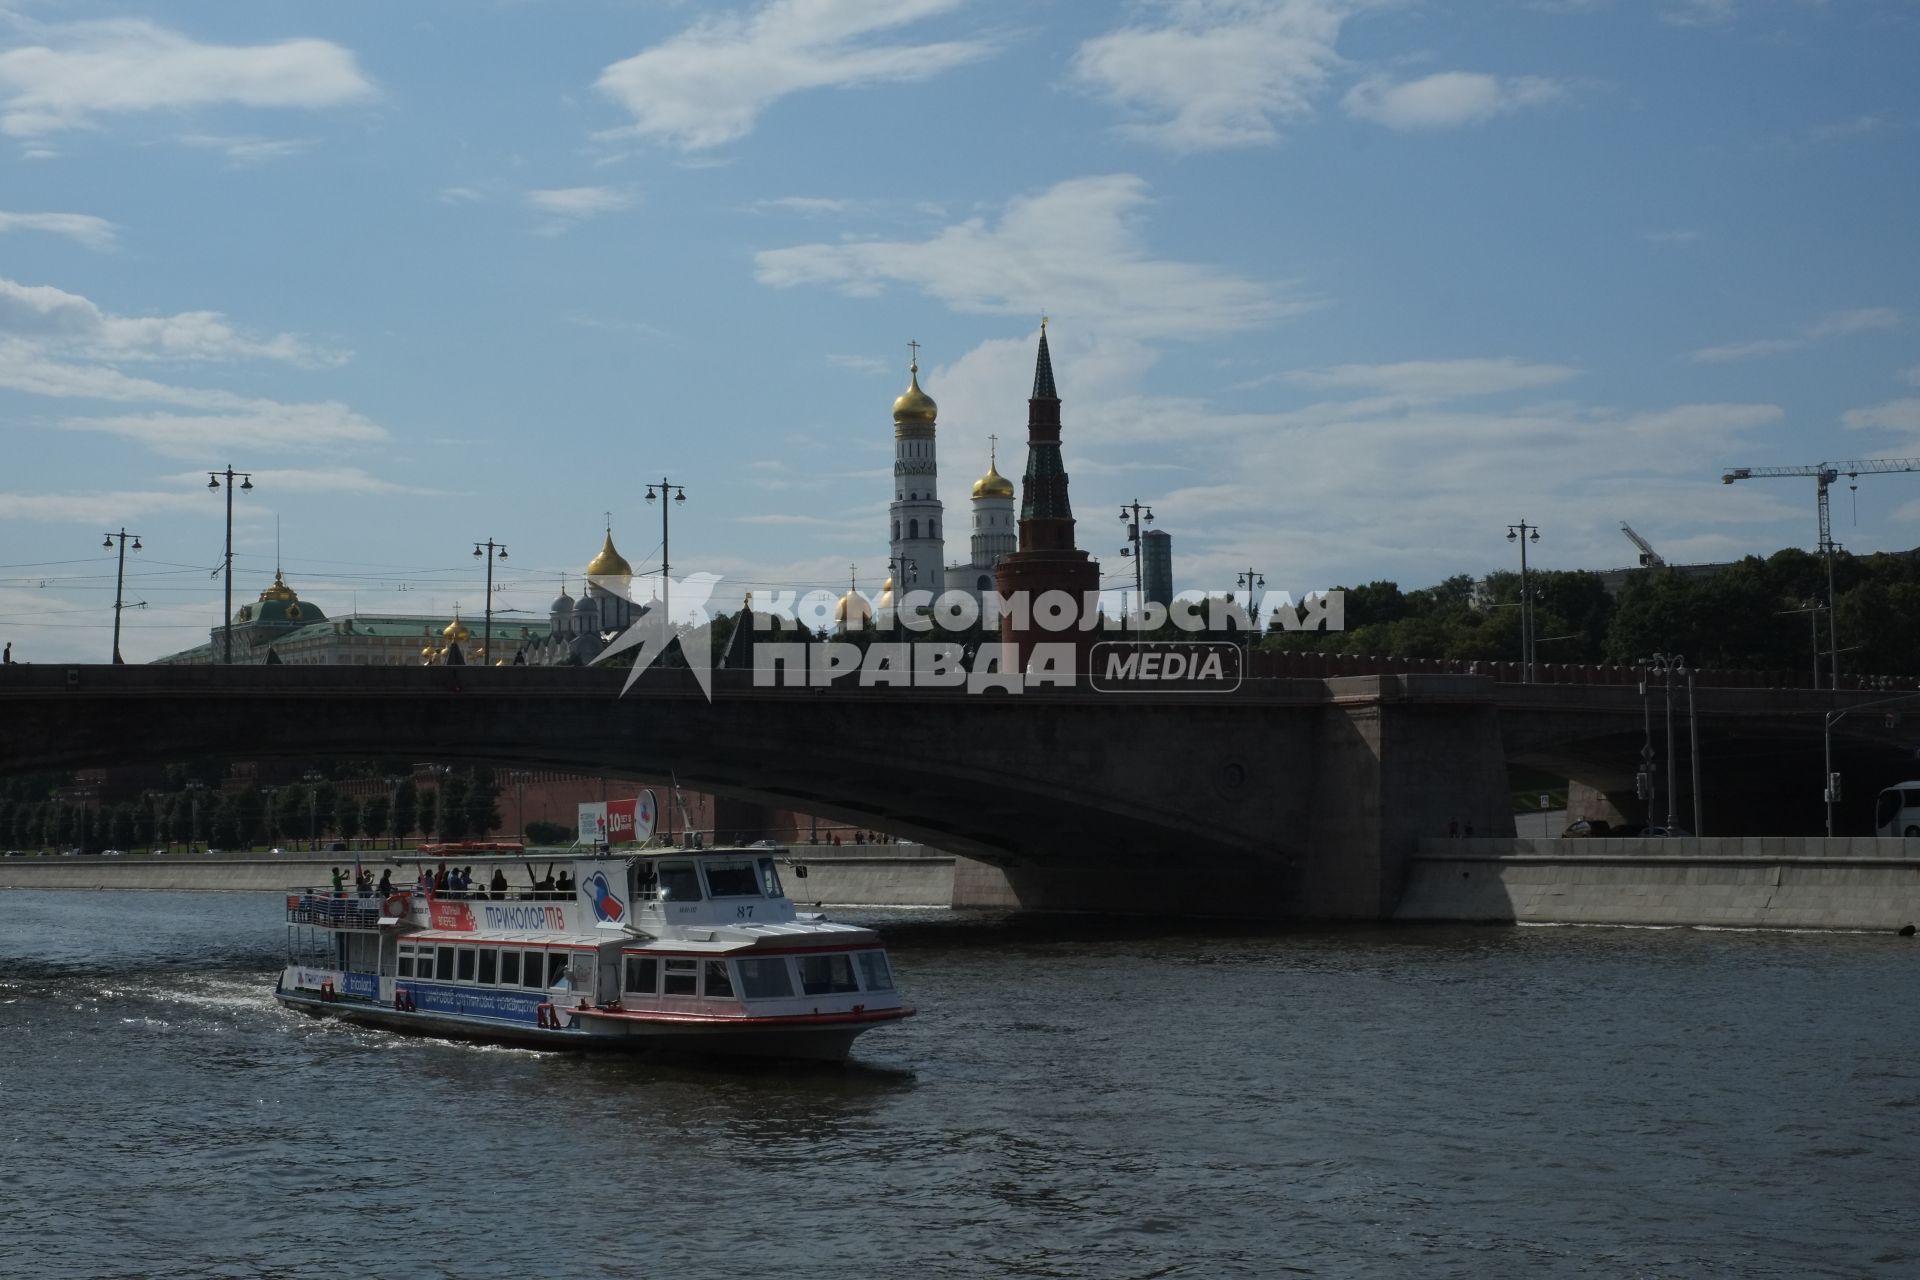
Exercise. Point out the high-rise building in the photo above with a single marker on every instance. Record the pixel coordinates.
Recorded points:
(1047, 559)
(1156, 566)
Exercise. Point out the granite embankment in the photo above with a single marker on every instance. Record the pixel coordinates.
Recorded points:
(905, 875)
(1777, 882)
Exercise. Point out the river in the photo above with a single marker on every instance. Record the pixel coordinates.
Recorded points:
(1077, 1098)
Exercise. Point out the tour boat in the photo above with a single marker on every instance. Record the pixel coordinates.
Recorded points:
(681, 951)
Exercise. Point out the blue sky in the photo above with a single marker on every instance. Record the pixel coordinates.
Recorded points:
(1341, 288)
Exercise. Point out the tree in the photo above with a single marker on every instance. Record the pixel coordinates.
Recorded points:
(119, 827)
(428, 802)
(483, 803)
(248, 817)
(346, 816)
(180, 818)
(406, 810)
(540, 831)
(227, 828)
(375, 812)
(455, 817)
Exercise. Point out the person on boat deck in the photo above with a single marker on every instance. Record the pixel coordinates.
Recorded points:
(544, 885)
(466, 878)
(424, 883)
(440, 881)
(565, 883)
(339, 882)
(385, 886)
(499, 883)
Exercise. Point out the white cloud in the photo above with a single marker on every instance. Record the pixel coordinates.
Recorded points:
(1437, 379)
(263, 425)
(1073, 248)
(1446, 99)
(1700, 13)
(570, 205)
(806, 206)
(859, 364)
(99, 508)
(90, 69)
(1834, 324)
(461, 195)
(84, 228)
(708, 85)
(1894, 415)
(1912, 375)
(245, 150)
(1217, 73)
(351, 480)
(66, 321)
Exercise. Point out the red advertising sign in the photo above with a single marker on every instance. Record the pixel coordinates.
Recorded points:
(455, 917)
(630, 821)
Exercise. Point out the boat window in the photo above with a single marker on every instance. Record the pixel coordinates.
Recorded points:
(487, 958)
(717, 982)
(770, 879)
(509, 968)
(765, 978)
(682, 977)
(827, 975)
(732, 880)
(875, 975)
(403, 965)
(557, 962)
(643, 975)
(533, 973)
(443, 964)
(465, 973)
(679, 882)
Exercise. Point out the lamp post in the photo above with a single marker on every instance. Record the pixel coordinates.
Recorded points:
(1132, 514)
(492, 551)
(1252, 580)
(519, 780)
(1813, 609)
(246, 483)
(119, 584)
(313, 778)
(903, 570)
(1831, 793)
(1668, 665)
(679, 495)
(1523, 533)
(266, 797)
(194, 788)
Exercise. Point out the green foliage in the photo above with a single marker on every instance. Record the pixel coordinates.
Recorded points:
(375, 812)
(427, 811)
(456, 820)
(540, 831)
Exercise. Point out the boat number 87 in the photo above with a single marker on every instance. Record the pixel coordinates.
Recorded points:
(744, 913)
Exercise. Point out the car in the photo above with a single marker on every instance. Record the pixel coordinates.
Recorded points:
(275, 849)
(1587, 829)
(70, 853)
(13, 853)
(113, 853)
(338, 846)
(159, 853)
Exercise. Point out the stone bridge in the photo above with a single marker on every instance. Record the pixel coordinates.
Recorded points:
(1290, 796)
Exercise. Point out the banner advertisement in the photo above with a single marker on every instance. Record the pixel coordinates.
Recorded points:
(593, 823)
(630, 821)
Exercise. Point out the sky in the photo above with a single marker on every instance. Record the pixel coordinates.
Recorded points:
(1341, 288)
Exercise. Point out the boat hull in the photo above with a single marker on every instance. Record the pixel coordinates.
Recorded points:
(811, 1043)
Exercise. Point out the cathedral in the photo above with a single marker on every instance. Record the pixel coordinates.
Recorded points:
(580, 629)
(915, 543)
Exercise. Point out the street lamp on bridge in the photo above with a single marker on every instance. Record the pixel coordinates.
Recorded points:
(246, 484)
(1523, 533)
(492, 551)
(665, 489)
(119, 584)
(1132, 514)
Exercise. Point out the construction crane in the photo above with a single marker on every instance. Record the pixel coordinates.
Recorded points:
(1649, 558)
(1824, 474)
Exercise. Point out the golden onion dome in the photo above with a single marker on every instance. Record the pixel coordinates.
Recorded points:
(993, 484)
(853, 610)
(610, 563)
(914, 407)
(457, 631)
(886, 594)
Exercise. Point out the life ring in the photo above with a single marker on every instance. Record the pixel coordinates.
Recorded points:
(395, 905)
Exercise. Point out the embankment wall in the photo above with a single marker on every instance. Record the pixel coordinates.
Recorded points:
(849, 875)
(1779, 882)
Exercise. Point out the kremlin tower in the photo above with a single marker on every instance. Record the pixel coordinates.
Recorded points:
(1047, 559)
(916, 511)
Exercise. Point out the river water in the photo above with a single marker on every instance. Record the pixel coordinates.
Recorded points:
(1076, 1098)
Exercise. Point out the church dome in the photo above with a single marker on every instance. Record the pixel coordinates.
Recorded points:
(610, 563)
(457, 631)
(886, 595)
(914, 407)
(562, 603)
(852, 611)
(993, 484)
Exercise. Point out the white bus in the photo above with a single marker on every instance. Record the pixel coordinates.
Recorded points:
(1898, 812)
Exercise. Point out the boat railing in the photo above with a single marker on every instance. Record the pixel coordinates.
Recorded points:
(333, 910)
